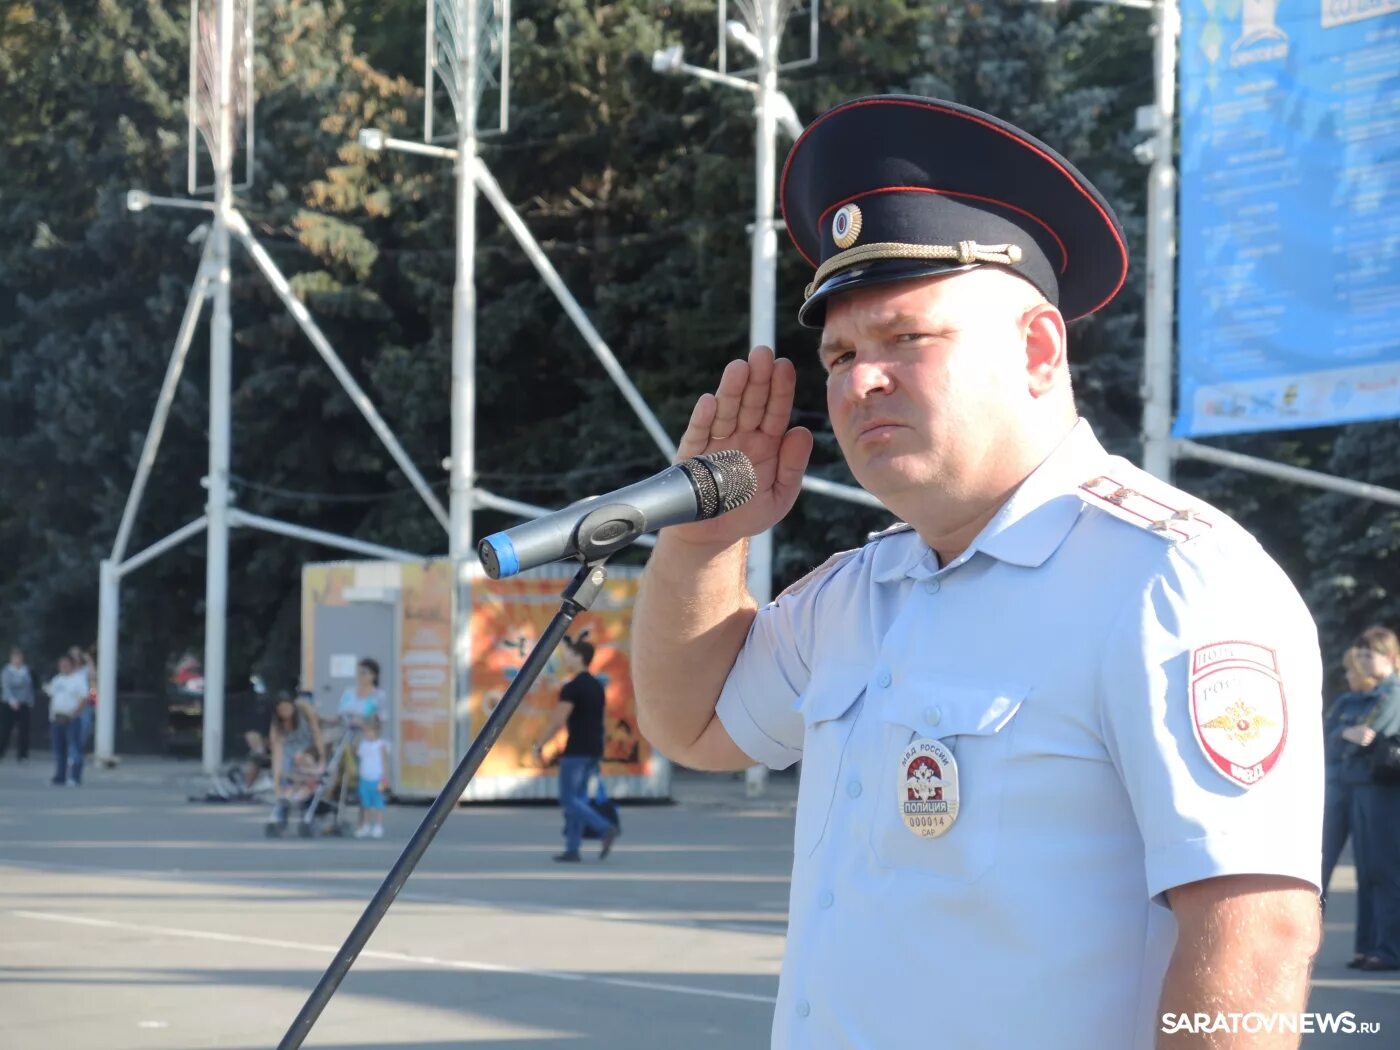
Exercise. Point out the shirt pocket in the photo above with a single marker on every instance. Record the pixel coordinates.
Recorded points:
(829, 707)
(971, 720)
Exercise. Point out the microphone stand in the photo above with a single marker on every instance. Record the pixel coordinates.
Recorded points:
(577, 597)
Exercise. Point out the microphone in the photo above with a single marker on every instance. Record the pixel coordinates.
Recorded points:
(702, 487)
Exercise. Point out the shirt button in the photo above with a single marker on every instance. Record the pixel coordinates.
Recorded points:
(885, 678)
(827, 899)
(803, 1008)
(932, 586)
(853, 789)
(933, 715)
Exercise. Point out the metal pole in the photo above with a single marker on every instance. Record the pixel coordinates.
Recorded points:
(109, 598)
(763, 282)
(155, 550)
(313, 332)
(220, 398)
(167, 395)
(462, 468)
(491, 190)
(240, 518)
(1161, 253)
(1284, 472)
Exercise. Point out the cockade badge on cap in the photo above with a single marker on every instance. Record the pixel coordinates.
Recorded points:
(845, 227)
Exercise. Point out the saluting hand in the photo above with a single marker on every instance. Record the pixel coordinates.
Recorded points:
(749, 411)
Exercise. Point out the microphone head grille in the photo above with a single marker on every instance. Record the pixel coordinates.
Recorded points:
(734, 477)
(706, 488)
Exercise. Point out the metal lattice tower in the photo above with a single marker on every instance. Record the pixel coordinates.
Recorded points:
(220, 119)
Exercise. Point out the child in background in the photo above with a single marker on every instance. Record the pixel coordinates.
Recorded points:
(373, 755)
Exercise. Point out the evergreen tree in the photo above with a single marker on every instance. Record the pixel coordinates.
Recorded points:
(639, 187)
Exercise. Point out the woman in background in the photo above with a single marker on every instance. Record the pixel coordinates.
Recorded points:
(1376, 810)
(1347, 766)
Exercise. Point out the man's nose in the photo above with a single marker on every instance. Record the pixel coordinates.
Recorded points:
(868, 377)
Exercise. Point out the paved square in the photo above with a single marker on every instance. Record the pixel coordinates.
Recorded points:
(131, 918)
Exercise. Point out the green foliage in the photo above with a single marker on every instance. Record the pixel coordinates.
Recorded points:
(639, 188)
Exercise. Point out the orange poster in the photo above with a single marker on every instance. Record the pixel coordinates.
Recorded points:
(425, 671)
(508, 617)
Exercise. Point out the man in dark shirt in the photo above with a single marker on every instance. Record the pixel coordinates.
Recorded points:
(581, 707)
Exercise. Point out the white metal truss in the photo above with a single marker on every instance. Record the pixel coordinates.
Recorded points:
(221, 98)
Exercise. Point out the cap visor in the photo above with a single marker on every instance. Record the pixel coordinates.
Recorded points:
(812, 314)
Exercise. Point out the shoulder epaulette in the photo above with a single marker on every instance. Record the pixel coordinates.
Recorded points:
(1172, 523)
(837, 559)
(820, 570)
(897, 527)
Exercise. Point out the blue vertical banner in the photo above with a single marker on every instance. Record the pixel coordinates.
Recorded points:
(1289, 281)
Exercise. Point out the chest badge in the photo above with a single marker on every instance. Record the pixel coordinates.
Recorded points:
(928, 791)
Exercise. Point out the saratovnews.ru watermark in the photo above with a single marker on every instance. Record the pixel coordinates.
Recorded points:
(1256, 1022)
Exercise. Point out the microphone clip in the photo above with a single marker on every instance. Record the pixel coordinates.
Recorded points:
(605, 530)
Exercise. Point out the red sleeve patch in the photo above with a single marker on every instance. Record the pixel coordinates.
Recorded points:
(1238, 709)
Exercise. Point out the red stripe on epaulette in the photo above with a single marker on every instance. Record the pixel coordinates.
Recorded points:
(1120, 494)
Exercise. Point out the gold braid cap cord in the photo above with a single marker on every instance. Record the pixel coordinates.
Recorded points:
(964, 252)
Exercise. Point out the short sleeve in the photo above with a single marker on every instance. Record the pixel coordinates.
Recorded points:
(1385, 717)
(758, 705)
(1211, 701)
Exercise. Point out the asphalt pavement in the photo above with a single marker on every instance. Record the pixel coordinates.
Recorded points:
(132, 919)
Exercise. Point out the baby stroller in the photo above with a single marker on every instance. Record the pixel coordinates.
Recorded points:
(314, 793)
(242, 780)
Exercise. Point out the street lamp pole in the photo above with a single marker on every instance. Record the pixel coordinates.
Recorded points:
(462, 468)
(220, 415)
(1157, 445)
(763, 269)
(763, 285)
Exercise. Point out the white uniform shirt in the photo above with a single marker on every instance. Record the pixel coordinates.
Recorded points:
(1058, 659)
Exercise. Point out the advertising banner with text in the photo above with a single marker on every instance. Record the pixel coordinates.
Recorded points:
(1289, 275)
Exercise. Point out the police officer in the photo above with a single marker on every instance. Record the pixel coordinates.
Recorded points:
(1060, 732)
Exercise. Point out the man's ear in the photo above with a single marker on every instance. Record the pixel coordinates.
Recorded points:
(1047, 345)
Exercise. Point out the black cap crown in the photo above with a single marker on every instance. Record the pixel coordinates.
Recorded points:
(893, 187)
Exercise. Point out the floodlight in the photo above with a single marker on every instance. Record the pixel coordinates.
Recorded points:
(137, 200)
(372, 139)
(742, 35)
(669, 60)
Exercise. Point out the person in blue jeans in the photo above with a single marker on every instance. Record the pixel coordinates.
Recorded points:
(581, 703)
(67, 693)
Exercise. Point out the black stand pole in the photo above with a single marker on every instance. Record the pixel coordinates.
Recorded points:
(578, 596)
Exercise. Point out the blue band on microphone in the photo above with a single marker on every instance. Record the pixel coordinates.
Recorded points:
(505, 553)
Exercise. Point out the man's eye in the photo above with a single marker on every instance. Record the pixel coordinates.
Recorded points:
(839, 359)
(910, 337)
